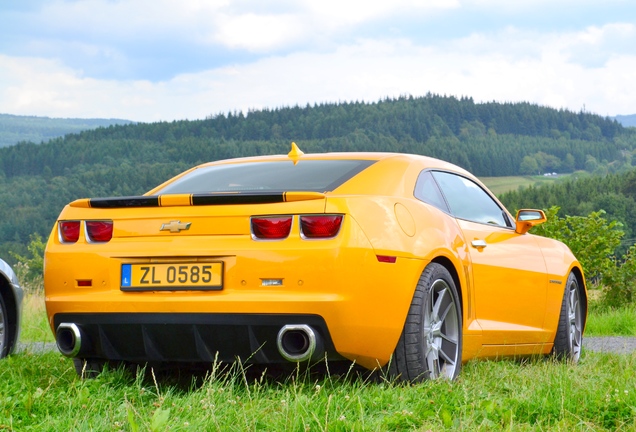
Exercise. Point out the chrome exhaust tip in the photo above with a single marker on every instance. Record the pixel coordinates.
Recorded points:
(296, 343)
(69, 339)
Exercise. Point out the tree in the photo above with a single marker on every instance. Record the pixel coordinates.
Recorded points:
(568, 164)
(30, 269)
(593, 239)
(529, 166)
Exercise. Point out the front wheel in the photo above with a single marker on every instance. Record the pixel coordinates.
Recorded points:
(430, 346)
(569, 336)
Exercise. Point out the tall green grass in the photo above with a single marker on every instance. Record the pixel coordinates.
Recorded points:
(611, 322)
(42, 392)
(34, 325)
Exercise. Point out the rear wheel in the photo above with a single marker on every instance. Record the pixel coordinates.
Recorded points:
(569, 336)
(4, 329)
(430, 346)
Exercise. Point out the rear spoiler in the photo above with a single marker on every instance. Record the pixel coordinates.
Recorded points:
(197, 199)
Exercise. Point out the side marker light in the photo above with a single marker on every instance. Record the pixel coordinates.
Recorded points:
(387, 259)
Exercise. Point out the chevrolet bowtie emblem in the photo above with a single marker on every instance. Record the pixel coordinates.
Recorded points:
(175, 226)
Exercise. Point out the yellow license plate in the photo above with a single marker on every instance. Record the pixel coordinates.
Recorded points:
(168, 277)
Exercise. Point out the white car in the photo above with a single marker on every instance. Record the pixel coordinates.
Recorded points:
(11, 295)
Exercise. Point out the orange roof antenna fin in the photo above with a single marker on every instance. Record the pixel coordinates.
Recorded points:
(295, 153)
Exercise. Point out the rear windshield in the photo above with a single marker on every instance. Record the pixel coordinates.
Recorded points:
(307, 175)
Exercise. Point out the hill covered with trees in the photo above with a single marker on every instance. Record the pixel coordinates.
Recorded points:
(489, 139)
(14, 129)
(583, 194)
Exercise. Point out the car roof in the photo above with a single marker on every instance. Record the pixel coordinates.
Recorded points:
(423, 161)
(372, 179)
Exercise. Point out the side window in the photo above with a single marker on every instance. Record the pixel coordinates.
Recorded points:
(467, 200)
(426, 190)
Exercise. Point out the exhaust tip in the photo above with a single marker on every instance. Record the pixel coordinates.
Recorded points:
(69, 339)
(296, 343)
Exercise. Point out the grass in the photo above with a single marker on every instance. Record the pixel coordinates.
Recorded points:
(35, 327)
(42, 392)
(611, 322)
(499, 185)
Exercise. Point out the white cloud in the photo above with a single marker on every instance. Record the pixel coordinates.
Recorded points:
(234, 24)
(595, 45)
(524, 5)
(47, 88)
(367, 70)
(592, 66)
(131, 20)
(258, 32)
(342, 13)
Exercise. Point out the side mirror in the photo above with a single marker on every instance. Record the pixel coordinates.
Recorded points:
(526, 219)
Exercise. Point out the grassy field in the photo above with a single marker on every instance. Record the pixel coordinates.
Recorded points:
(35, 327)
(499, 185)
(41, 392)
(612, 322)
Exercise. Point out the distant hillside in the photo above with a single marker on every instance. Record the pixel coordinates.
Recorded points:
(627, 120)
(582, 193)
(490, 139)
(14, 129)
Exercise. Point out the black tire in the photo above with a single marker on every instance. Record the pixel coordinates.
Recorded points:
(569, 336)
(4, 329)
(88, 368)
(430, 346)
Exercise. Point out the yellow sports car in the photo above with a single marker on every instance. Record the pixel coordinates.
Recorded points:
(392, 261)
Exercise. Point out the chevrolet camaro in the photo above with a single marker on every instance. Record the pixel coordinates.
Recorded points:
(393, 261)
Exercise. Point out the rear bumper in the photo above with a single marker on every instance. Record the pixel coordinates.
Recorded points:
(190, 337)
(361, 301)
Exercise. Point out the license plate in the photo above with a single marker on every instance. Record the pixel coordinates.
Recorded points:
(172, 277)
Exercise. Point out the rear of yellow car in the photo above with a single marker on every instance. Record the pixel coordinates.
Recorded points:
(230, 261)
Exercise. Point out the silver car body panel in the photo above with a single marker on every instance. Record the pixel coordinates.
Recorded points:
(18, 294)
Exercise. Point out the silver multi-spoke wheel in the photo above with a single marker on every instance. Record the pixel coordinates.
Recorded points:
(575, 320)
(431, 342)
(441, 330)
(3, 330)
(569, 335)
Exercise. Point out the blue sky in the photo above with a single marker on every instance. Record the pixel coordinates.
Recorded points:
(150, 60)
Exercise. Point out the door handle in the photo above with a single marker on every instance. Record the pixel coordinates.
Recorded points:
(479, 244)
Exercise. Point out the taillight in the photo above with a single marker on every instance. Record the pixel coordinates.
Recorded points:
(320, 226)
(99, 231)
(271, 227)
(69, 231)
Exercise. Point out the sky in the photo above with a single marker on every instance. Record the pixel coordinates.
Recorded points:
(164, 60)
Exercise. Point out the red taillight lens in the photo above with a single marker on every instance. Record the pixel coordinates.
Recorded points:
(271, 228)
(386, 259)
(69, 231)
(323, 226)
(99, 231)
